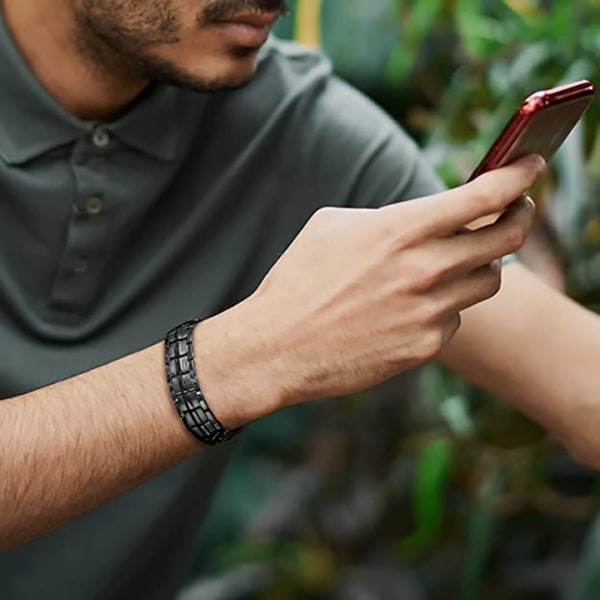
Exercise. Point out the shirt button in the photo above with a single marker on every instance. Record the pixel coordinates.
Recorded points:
(93, 206)
(100, 137)
(80, 266)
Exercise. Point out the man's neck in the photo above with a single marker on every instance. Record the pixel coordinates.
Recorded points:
(45, 33)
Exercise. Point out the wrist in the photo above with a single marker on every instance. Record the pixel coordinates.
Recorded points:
(239, 368)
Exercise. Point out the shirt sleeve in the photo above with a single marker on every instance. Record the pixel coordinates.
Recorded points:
(358, 156)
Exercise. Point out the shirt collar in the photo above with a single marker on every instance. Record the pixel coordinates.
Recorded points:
(154, 125)
(32, 122)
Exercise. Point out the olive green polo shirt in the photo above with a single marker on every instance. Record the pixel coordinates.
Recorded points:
(111, 233)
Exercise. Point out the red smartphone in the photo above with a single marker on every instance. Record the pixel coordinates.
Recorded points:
(540, 125)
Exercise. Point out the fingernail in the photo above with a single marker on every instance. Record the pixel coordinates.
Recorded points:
(539, 164)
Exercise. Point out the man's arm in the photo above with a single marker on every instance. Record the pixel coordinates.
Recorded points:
(69, 447)
(360, 296)
(539, 351)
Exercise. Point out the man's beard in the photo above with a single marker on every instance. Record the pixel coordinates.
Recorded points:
(117, 38)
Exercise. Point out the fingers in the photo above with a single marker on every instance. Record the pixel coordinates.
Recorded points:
(445, 213)
(472, 249)
(462, 293)
(491, 193)
(451, 326)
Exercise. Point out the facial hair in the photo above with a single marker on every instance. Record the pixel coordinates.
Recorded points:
(117, 37)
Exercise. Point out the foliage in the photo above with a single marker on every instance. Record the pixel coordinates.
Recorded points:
(454, 495)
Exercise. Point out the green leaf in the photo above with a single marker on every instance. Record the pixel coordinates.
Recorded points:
(416, 25)
(400, 65)
(432, 477)
(563, 24)
(481, 533)
(481, 34)
(420, 20)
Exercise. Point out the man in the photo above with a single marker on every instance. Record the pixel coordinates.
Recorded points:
(130, 204)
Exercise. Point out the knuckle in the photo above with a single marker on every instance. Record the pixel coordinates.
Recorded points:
(515, 237)
(454, 325)
(425, 277)
(393, 232)
(451, 325)
(396, 241)
(424, 280)
(325, 215)
(492, 281)
(430, 310)
(432, 342)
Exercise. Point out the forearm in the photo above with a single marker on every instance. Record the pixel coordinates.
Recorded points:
(69, 447)
(539, 351)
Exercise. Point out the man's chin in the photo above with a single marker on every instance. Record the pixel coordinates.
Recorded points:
(228, 79)
(234, 69)
(239, 73)
(209, 85)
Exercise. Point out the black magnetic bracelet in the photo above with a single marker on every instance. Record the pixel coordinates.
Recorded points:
(185, 389)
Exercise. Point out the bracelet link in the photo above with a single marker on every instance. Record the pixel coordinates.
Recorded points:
(185, 389)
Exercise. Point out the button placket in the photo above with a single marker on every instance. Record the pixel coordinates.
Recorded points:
(76, 280)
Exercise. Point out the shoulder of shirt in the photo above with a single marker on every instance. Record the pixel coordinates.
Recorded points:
(276, 48)
(296, 62)
(293, 71)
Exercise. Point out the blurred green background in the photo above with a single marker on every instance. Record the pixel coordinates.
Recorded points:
(427, 487)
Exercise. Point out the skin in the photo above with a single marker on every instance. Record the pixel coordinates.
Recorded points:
(108, 51)
(290, 341)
